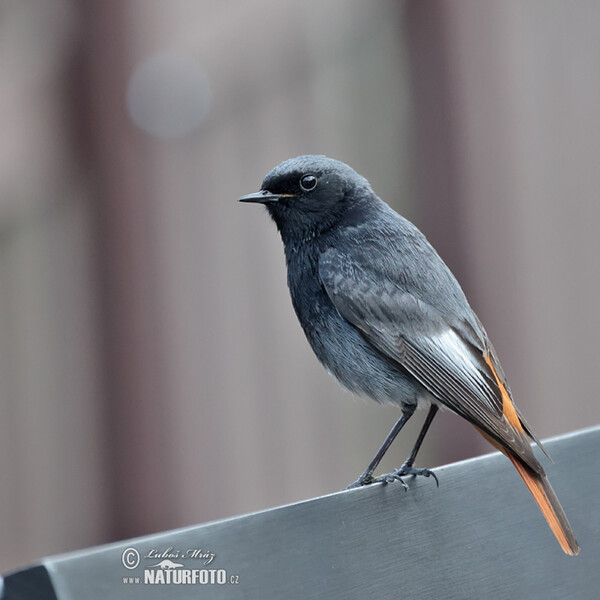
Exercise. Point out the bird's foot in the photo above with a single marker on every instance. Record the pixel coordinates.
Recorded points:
(405, 471)
(362, 481)
(391, 477)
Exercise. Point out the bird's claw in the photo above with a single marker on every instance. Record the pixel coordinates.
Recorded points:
(395, 475)
(361, 482)
(416, 472)
(391, 477)
(398, 474)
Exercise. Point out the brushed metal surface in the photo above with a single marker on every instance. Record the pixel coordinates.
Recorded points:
(479, 535)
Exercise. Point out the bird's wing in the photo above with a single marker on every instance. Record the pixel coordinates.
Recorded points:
(442, 351)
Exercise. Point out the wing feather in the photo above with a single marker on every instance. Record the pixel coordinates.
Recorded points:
(441, 351)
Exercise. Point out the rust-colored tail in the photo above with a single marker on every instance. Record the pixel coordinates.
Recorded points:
(538, 483)
(546, 499)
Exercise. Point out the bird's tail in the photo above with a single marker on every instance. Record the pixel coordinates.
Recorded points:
(546, 499)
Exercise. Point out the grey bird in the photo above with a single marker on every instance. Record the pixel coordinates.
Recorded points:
(384, 314)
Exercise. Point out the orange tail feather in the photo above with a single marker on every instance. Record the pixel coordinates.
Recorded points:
(546, 499)
(538, 484)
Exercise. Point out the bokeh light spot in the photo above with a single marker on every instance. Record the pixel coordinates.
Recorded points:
(168, 95)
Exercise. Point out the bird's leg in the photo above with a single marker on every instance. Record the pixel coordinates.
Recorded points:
(367, 477)
(407, 467)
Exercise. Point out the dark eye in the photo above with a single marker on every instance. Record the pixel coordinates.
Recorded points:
(308, 182)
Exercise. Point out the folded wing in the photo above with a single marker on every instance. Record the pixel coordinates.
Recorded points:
(445, 351)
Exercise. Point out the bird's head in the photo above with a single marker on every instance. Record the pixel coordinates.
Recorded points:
(309, 194)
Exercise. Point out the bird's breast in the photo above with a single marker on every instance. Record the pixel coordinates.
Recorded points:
(339, 346)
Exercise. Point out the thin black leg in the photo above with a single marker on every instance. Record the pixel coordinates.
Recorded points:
(407, 468)
(413, 453)
(367, 476)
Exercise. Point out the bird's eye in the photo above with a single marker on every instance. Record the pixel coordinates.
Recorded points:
(308, 182)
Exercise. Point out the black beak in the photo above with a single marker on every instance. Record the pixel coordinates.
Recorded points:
(261, 197)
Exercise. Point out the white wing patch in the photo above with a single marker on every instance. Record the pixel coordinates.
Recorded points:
(460, 359)
(453, 346)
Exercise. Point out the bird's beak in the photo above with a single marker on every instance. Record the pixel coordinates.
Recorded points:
(261, 197)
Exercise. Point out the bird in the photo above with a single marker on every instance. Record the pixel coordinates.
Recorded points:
(388, 319)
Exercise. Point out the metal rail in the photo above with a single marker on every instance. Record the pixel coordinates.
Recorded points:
(479, 535)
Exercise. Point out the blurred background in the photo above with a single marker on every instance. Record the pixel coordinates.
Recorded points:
(152, 371)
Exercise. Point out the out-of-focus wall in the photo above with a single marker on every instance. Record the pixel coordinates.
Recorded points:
(153, 372)
(52, 437)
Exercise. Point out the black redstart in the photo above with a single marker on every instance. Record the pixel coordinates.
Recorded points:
(384, 314)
